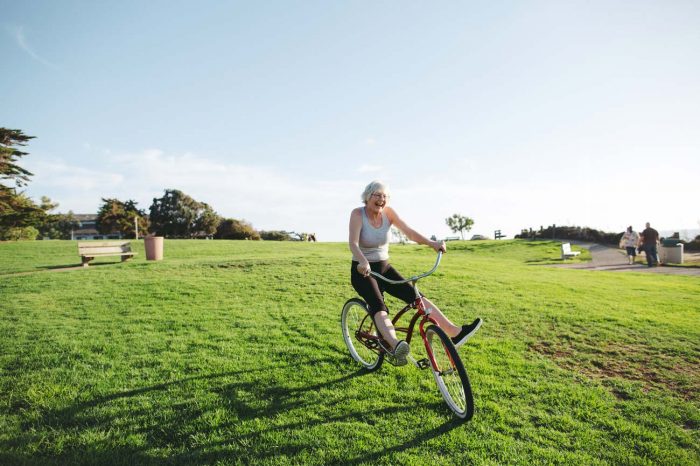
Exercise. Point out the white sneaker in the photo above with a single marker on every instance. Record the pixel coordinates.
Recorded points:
(401, 353)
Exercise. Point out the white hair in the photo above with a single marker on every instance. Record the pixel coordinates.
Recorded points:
(372, 188)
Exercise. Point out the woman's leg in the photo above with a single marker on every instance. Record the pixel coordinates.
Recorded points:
(406, 293)
(369, 290)
(386, 328)
(443, 322)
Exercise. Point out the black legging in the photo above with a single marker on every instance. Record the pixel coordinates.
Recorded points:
(372, 290)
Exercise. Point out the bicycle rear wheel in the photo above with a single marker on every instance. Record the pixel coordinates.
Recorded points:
(449, 373)
(360, 334)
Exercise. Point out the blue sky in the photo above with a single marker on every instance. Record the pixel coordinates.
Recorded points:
(515, 113)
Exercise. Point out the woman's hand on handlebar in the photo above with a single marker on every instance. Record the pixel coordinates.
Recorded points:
(438, 246)
(363, 268)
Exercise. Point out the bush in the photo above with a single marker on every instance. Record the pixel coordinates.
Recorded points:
(275, 235)
(19, 234)
(231, 228)
(693, 245)
(573, 233)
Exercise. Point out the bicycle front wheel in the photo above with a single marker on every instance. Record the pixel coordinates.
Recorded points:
(449, 373)
(360, 334)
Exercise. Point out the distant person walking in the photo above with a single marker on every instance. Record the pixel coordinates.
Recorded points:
(650, 240)
(630, 241)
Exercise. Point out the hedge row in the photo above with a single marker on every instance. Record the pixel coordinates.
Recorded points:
(588, 234)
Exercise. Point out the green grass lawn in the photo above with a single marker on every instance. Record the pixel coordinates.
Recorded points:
(230, 352)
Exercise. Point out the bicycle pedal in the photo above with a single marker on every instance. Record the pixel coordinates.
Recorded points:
(373, 345)
(423, 363)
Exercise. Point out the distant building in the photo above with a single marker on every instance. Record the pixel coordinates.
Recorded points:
(88, 229)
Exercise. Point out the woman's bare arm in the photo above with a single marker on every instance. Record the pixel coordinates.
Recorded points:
(354, 241)
(412, 234)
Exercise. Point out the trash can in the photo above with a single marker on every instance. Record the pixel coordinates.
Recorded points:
(154, 248)
(671, 254)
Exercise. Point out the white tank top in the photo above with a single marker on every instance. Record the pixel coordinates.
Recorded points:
(374, 242)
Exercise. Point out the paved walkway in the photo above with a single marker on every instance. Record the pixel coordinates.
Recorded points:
(615, 260)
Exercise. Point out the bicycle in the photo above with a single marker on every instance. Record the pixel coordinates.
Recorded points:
(367, 347)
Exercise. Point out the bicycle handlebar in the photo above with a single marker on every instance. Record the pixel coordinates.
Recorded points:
(414, 278)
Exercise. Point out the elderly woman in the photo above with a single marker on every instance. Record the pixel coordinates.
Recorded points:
(369, 242)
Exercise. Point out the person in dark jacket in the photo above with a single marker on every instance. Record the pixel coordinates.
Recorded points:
(650, 241)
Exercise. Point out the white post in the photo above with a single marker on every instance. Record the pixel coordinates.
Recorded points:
(136, 226)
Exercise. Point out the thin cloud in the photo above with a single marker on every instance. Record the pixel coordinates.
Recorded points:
(19, 36)
(270, 198)
(61, 175)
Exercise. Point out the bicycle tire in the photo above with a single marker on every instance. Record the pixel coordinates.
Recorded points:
(450, 375)
(355, 322)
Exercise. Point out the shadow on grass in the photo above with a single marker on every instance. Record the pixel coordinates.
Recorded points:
(171, 422)
(156, 424)
(546, 261)
(217, 452)
(61, 268)
(77, 266)
(419, 438)
(57, 268)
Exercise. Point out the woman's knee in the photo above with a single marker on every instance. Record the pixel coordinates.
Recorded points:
(378, 311)
(430, 305)
(381, 317)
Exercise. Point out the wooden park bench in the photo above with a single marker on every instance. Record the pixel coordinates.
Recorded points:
(567, 253)
(88, 250)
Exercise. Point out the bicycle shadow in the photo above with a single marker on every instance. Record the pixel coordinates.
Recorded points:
(133, 412)
(240, 396)
(216, 451)
(212, 452)
(278, 398)
(419, 438)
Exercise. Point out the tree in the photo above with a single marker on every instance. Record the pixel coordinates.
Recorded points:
(207, 221)
(459, 223)
(59, 226)
(274, 235)
(55, 226)
(9, 170)
(17, 211)
(294, 236)
(398, 236)
(117, 216)
(231, 228)
(19, 234)
(177, 215)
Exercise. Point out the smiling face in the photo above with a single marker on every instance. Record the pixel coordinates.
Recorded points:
(377, 201)
(375, 187)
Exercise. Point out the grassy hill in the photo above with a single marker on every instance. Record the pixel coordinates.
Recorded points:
(230, 352)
